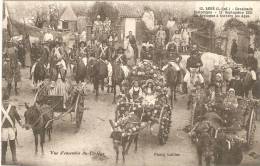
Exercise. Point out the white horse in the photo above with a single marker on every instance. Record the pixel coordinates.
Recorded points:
(129, 52)
(209, 60)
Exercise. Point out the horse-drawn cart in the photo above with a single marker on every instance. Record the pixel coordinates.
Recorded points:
(240, 122)
(147, 115)
(149, 112)
(74, 103)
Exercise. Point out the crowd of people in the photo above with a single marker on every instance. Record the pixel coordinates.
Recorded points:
(104, 45)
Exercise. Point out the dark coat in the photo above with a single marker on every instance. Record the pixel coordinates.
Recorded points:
(252, 63)
(237, 86)
(256, 89)
(193, 62)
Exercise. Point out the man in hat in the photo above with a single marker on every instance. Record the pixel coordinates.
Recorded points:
(12, 67)
(120, 56)
(57, 50)
(21, 53)
(98, 27)
(102, 52)
(92, 46)
(193, 66)
(122, 60)
(147, 51)
(48, 36)
(174, 58)
(132, 41)
(82, 51)
(251, 63)
(8, 129)
(103, 55)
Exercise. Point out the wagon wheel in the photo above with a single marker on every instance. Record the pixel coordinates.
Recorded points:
(116, 115)
(193, 112)
(79, 112)
(251, 128)
(79, 116)
(164, 125)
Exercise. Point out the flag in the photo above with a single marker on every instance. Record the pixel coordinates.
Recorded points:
(7, 25)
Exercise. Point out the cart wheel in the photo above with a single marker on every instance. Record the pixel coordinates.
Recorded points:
(251, 128)
(116, 115)
(164, 125)
(193, 112)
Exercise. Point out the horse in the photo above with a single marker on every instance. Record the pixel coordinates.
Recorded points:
(171, 76)
(80, 70)
(205, 148)
(247, 82)
(123, 140)
(209, 60)
(98, 71)
(39, 70)
(37, 120)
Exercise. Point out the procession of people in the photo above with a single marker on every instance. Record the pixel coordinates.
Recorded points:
(52, 60)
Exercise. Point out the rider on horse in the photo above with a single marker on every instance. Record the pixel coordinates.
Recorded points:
(146, 51)
(92, 46)
(103, 55)
(121, 59)
(174, 60)
(193, 67)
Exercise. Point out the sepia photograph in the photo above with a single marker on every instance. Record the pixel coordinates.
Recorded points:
(130, 83)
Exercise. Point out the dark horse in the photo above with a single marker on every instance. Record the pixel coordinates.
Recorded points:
(40, 70)
(37, 119)
(97, 70)
(80, 70)
(123, 140)
(117, 78)
(171, 76)
(205, 148)
(247, 82)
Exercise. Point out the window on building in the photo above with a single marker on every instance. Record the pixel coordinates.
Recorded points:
(65, 25)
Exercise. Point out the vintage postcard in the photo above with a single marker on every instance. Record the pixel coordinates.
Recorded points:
(133, 83)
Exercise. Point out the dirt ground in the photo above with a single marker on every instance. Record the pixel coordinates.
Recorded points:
(92, 144)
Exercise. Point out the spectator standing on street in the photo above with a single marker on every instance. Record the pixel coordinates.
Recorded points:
(233, 52)
(8, 129)
(161, 36)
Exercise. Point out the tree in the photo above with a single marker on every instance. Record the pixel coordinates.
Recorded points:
(103, 9)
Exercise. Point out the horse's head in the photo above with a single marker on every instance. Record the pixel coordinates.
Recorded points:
(31, 115)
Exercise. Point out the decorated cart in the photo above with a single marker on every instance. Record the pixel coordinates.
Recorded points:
(153, 112)
(73, 104)
(239, 123)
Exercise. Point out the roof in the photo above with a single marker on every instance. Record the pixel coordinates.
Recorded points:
(68, 15)
(126, 11)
